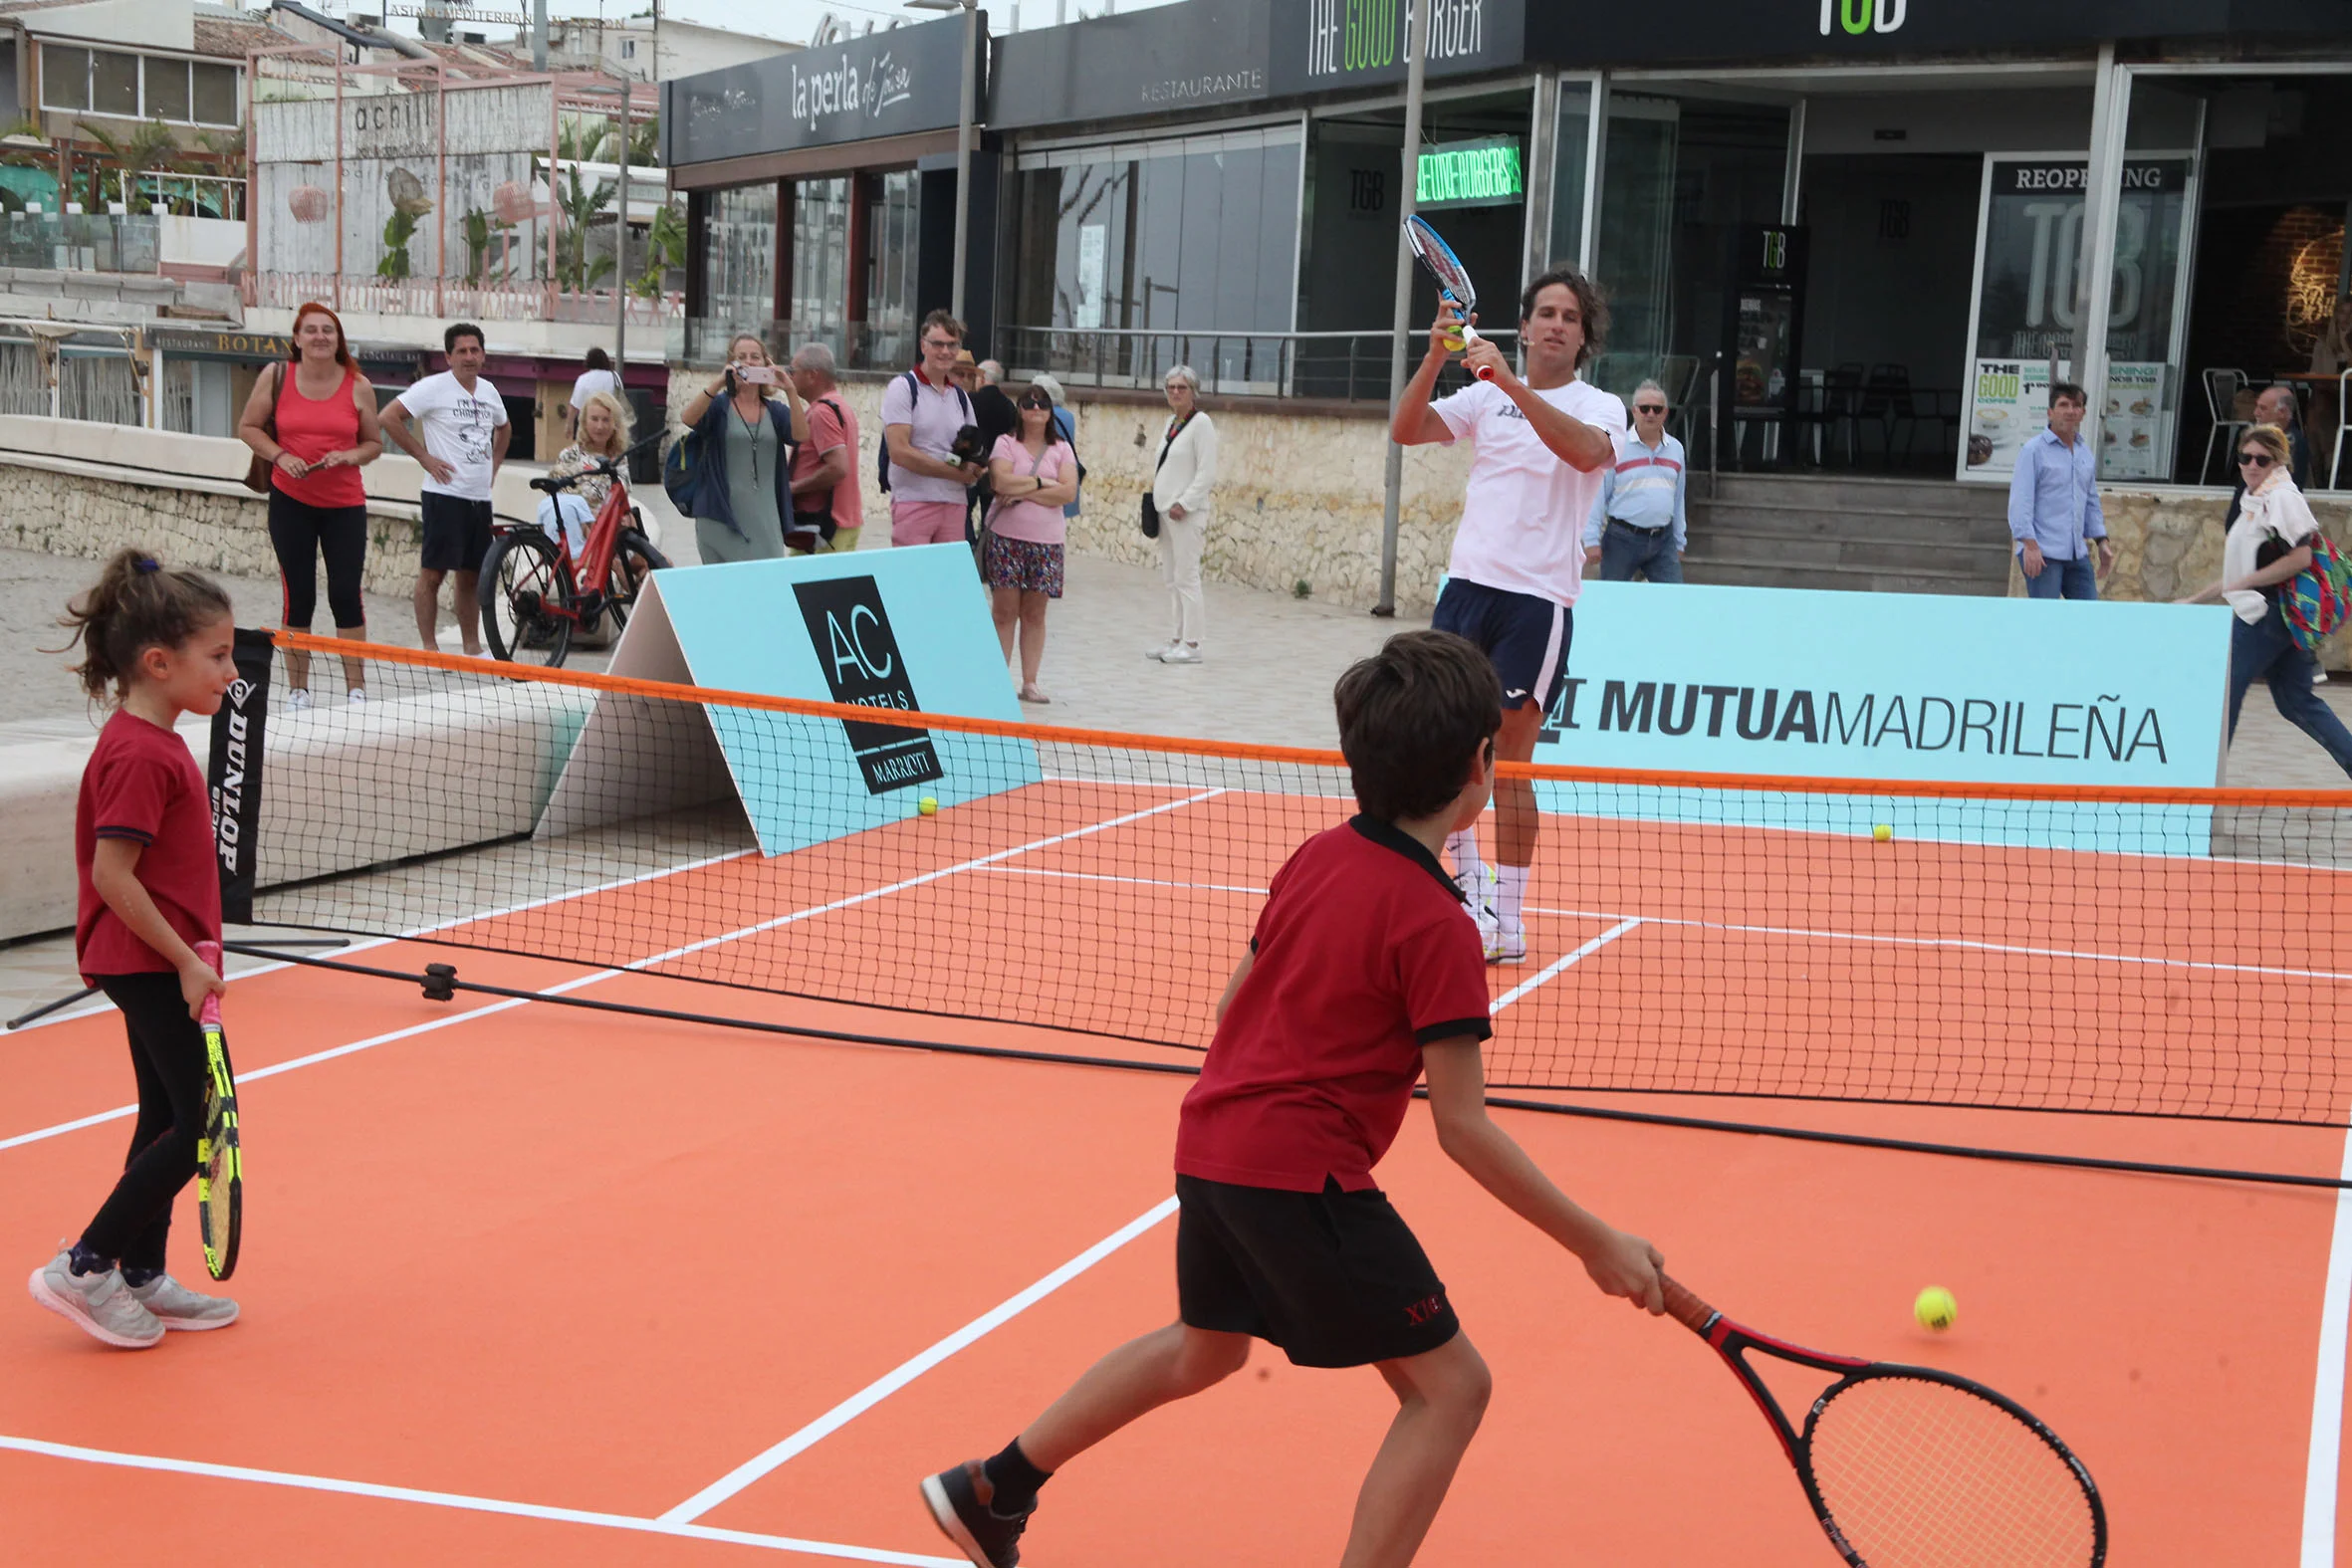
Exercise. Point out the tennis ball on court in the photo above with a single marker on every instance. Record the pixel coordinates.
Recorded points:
(1935, 1308)
(928, 805)
(1884, 832)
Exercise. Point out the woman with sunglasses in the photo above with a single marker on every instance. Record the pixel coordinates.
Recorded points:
(1033, 475)
(2267, 546)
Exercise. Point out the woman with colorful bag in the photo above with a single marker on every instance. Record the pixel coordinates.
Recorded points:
(2280, 575)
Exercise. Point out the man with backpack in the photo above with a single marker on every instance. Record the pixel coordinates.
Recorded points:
(827, 506)
(923, 412)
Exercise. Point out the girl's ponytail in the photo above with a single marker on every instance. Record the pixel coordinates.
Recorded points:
(136, 603)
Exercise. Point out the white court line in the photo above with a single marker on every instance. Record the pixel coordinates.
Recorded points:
(907, 1371)
(595, 977)
(1131, 881)
(2327, 1386)
(1559, 964)
(1961, 943)
(471, 1505)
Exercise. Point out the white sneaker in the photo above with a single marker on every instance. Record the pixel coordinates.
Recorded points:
(298, 698)
(176, 1306)
(99, 1304)
(1180, 653)
(1477, 893)
(357, 696)
(1160, 653)
(1506, 947)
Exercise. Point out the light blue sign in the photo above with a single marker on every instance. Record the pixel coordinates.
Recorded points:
(1926, 687)
(903, 629)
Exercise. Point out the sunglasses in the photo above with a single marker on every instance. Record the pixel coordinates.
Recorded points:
(1649, 408)
(2257, 459)
(1042, 404)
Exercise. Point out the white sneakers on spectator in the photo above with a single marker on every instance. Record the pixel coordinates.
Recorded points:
(298, 699)
(355, 696)
(101, 1305)
(1180, 653)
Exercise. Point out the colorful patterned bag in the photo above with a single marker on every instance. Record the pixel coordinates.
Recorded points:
(2317, 599)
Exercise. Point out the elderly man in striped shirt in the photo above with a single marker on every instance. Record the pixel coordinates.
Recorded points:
(1638, 522)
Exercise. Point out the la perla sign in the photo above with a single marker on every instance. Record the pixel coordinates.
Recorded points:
(840, 88)
(1864, 16)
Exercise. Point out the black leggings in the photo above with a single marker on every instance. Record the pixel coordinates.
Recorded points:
(167, 1054)
(301, 532)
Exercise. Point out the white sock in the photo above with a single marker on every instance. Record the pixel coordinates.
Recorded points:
(1512, 897)
(1463, 846)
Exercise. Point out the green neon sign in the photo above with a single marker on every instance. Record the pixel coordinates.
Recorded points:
(1482, 173)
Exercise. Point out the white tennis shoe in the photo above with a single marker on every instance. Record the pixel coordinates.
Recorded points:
(175, 1306)
(99, 1304)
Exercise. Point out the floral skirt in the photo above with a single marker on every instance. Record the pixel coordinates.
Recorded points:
(1022, 563)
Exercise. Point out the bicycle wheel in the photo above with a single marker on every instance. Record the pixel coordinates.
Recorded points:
(526, 599)
(633, 561)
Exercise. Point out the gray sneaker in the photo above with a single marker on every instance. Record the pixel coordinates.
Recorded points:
(175, 1306)
(100, 1305)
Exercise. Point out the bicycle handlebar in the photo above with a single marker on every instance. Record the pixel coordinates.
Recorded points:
(602, 468)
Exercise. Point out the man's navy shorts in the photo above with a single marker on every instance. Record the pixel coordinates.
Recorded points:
(1526, 635)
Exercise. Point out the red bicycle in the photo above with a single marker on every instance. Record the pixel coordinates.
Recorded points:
(536, 596)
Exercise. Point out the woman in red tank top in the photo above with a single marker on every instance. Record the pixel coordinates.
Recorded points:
(323, 413)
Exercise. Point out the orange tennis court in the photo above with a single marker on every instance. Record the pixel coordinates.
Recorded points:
(526, 1283)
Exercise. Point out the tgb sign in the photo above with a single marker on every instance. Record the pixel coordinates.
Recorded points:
(1864, 16)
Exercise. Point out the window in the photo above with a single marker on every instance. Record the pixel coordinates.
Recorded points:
(65, 78)
(215, 95)
(821, 262)
(114, 84)
(739, 270)
(628, 49)
(167, 88)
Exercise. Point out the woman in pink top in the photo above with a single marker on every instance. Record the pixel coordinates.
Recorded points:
(323, 414)
(1033, 475)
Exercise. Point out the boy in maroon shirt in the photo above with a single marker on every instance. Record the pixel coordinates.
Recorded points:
(1366, 971)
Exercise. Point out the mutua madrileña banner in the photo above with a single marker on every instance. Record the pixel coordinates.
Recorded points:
(1929, 688)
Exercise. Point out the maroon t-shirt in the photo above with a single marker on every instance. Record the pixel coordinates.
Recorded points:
(1365, 954)
(144, 785)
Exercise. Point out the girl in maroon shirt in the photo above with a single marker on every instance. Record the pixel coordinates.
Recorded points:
(160, 643)
(323, 413)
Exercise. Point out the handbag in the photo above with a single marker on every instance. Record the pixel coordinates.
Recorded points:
(1151, 512)
(257, 471)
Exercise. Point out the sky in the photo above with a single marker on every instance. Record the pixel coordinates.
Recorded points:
(798, 19)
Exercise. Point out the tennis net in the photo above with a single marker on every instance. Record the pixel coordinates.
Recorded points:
(2163, 954)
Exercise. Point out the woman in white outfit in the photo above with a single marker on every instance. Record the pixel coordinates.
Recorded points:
(1180, 489)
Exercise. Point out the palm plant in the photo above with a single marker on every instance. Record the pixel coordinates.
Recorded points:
(150, 148)
(581, 207)
(665, 247)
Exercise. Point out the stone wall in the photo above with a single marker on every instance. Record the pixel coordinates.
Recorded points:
(1297, 500)
(2168, 543)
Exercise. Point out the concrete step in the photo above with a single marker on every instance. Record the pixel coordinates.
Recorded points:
(1763, 572)
(1816, 549)
(1846, 493)
(1793, 524)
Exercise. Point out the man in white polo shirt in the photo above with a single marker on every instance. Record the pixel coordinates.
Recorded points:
(1518, 556)
(922, 411)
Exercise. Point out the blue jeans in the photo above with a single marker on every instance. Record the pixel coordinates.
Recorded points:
(1627, 549)
(2265, 651)
(2064, 580)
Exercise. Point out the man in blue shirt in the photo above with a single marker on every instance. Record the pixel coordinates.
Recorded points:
(2055, 515)
(1637, 522)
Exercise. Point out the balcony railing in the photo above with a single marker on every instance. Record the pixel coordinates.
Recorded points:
(456, 299)
(81, 242)
(1346, 366)
(700, 342)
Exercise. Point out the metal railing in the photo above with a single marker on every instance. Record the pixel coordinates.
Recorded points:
(455, 298)
(187, 195)
(81, 242)
(699, 342)
(1347, 367)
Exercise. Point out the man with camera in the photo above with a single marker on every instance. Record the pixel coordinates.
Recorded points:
(928, 459)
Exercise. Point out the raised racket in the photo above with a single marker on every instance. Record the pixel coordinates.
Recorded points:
(1911, 1467)
(1453, 278)
(221, 1166)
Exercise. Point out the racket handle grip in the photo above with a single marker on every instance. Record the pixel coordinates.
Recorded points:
(1686, 1308)
(209, 1014)
(1470, 336)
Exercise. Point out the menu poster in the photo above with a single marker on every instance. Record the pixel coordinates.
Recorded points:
(2135, 442)
(2011, 406)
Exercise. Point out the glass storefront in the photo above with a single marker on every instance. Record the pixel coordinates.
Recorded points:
(892, 223)
(739, 266)
(851, 243)
(1135, 257)
(821, 264)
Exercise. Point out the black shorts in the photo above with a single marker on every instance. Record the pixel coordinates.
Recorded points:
(1335, 1278)
(1526, 635)
(456, 533)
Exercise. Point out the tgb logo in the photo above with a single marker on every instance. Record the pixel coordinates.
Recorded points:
(1864, 16)
(862, 664)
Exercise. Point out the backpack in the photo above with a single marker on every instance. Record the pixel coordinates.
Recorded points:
(677, 474)
(882, 453)
(2317, 599)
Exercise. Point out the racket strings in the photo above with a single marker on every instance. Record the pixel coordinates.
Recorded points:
(1925, 1475)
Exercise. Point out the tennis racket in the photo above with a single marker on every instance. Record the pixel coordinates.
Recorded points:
(1453, 278)
(1911, 1467)
(220, 1167)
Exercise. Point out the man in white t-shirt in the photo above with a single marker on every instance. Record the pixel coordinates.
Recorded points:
(598, 377)
(464, 439)
(1519, 556)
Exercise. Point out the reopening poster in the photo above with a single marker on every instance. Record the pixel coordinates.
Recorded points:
(2028, 306)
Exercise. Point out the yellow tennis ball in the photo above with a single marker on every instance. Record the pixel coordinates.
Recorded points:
(1936, 1310)
(1884, 832)
(928, 805)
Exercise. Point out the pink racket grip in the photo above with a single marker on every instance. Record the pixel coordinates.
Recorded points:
(210, 1014)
